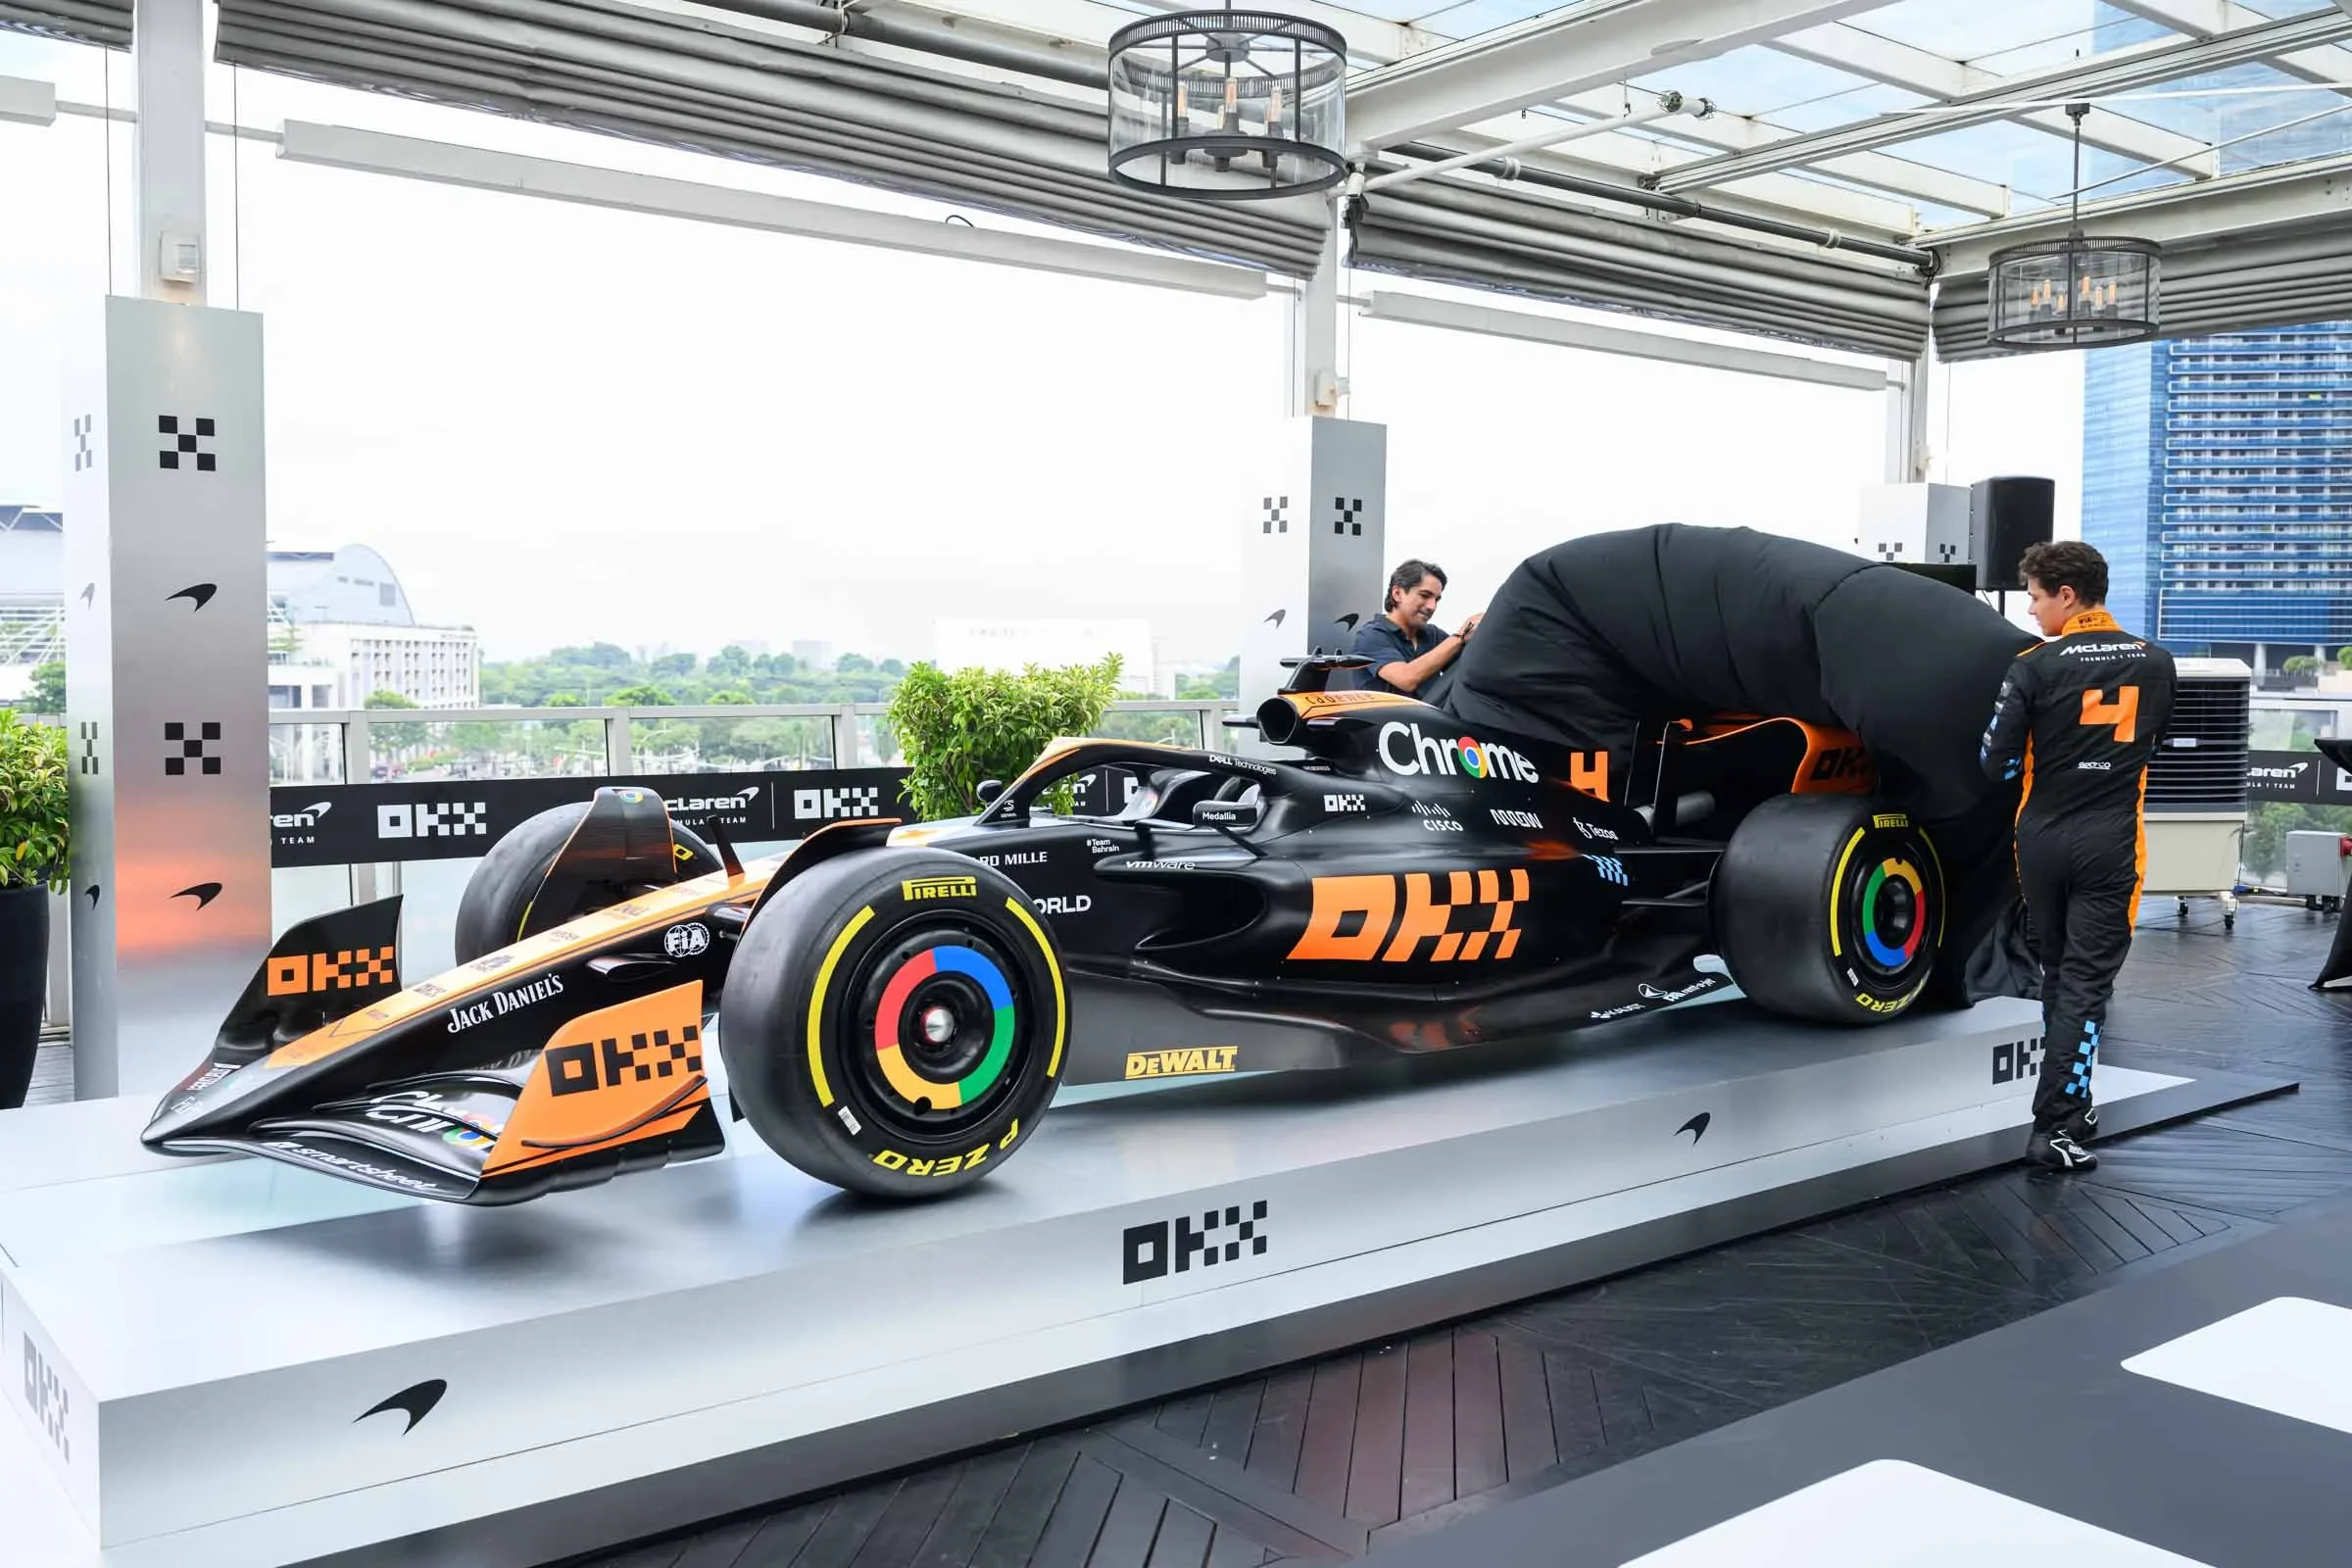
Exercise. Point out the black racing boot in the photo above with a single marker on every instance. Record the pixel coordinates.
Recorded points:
(2059, 1149)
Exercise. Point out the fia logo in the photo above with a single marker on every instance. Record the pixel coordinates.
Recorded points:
(685, 941)
(1145, 1250)
(45, 1398)
(2015, 1059)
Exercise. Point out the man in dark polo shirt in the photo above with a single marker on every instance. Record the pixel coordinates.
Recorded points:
(1409, 652)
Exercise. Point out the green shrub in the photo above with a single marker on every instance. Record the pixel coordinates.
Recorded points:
(959, 729)
(33, 818)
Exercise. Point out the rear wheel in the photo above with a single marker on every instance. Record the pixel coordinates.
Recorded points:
(894, 1021)
(1830, 909)
(499, 894)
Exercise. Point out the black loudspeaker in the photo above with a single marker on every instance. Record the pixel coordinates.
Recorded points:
(2005, 516)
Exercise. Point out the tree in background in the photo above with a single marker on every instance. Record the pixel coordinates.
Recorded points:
(48, 691)
(380, 698)
(959, 729)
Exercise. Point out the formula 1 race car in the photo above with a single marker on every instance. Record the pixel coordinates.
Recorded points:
(897, 1005)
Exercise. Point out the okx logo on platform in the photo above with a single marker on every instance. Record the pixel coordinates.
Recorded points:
(1151, 1252)
(1404, 749)
(421, 820)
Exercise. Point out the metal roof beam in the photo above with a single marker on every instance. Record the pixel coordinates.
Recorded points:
(2089, 79)
(1592, 46)
(2205, 18)
(1899, 65)
(1736, 133)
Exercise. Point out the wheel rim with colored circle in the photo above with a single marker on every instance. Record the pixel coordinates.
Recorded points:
(1889, 899)
(936, 1028)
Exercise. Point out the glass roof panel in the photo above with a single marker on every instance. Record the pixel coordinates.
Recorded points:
(2037, 167)
(1470, 18)
(1983, 30)
(2302, 119)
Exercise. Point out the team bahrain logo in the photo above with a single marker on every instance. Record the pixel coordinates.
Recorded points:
(1389, 917)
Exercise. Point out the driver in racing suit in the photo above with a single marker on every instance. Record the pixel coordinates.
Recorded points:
(2078, 719)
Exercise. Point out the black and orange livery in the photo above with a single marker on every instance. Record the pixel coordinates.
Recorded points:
(895, 1005)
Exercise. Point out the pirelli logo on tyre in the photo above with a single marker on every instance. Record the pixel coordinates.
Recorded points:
(939, 887)
(301, 974)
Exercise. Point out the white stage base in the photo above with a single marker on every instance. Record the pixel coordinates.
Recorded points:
(199, 1341)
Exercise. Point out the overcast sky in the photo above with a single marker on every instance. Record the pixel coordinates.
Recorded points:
(561, 423)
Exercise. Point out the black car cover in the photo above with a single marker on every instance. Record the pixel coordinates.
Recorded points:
(1591, 638)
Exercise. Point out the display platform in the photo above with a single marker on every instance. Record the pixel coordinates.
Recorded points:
(2200, 1414)
(234, 1362)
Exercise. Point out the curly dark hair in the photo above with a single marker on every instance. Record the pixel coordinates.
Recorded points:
(2066, 563)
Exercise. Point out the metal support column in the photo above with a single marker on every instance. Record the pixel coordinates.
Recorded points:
(1311, 371)
(1314, 545)
(1909, 396)
(169, 150)
(166, 607)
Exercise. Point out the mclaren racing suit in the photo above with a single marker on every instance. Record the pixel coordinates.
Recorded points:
(2079, 718)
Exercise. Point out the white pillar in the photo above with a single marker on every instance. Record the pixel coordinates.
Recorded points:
(1314, 545)
(168, 157)
(166, 700)
(1311, 370)
(1908, 399)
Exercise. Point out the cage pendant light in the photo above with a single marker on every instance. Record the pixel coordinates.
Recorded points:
(1228, 105)
(2076, 292)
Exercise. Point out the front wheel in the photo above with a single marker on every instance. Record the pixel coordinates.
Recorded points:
(894, 1021)
(1830, 909)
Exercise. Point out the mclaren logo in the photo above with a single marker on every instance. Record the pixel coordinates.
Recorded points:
(416, 1402)
(1697, 1127)
(1702, 984)
(1404, 749)
(308, 818)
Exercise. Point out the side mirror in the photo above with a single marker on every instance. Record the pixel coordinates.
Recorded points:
(1231, 816)
(989, 790)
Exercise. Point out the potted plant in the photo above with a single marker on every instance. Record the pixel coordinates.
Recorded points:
(34, 863)
(958, 730)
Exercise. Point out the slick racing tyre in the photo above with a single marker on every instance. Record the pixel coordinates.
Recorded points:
(894, 1021)
(1830, 909)
(499, 893)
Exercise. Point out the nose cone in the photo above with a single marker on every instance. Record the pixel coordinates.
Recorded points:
(206, 1101)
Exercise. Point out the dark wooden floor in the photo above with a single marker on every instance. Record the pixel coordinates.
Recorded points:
(1328, 1460)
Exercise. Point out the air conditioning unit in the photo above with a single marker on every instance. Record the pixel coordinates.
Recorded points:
(2196, 801)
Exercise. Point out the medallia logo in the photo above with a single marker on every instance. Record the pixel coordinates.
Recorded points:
(1405, 749)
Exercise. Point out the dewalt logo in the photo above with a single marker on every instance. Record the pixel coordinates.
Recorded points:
(1180, 1063)
(940, 887)
(301, 974)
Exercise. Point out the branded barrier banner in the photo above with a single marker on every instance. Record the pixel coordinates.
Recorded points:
(2296, 777)
(456, 819)
(451, 819)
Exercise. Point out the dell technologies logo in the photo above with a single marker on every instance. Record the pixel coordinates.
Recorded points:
(1405, 749)
(1145, 1250)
